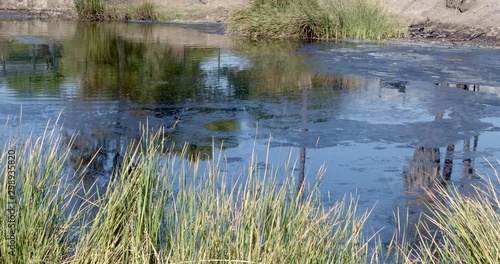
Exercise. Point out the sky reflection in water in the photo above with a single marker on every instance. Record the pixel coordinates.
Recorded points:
(376, 127)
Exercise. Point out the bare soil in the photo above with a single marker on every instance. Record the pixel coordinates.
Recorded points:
(478, 13)
(466, 22)
(200, 10)
(469, 22)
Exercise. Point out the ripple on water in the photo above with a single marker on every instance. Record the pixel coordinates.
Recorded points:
(367, 128)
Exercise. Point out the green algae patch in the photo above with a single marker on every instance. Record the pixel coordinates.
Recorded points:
(223, 126)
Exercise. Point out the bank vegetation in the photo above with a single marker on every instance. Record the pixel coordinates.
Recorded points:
(98, 10)
(160, 207)
(296, 19)
(316, 19)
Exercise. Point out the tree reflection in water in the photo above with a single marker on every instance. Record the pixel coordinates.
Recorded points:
(306, 91)
(425, 172)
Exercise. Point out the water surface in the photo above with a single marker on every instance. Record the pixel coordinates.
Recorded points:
(382, 119)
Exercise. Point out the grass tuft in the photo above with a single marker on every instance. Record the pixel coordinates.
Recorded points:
(38, 227)
(145, 11)
(161, 208)
(317, 19)
(90, 9)
(96, 10)
(462, 226)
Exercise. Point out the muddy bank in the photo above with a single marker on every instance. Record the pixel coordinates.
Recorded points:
(434, 33)
(461, 22)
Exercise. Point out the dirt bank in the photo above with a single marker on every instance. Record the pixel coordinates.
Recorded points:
(473, 22)
(200, 10)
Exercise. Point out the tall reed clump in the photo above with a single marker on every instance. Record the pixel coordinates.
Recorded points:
(126, 228)
(259, 220)
(35, 223)
(318, 19)
(162, 208)
(98, 10)
(459, 228)
(90, 9)
(145, 11)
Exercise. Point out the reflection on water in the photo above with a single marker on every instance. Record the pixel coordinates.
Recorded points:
(425, 172)
(243, 96)
(468, 87)
(424, 168)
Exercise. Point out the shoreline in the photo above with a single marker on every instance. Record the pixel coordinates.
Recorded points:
(456, 35)
(428, 32)
(43, 14)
